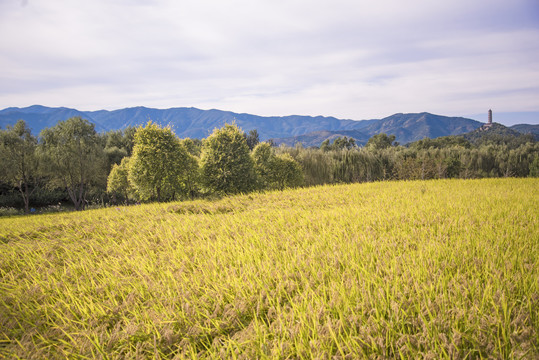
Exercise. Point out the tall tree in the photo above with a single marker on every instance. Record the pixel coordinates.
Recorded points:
(285, 172)
(160, 164)
(226, 164)
(19, 161)
(74, 157)
(263, 160)
(252, 139)
(380, 141)
(275, 171)
(117, 182)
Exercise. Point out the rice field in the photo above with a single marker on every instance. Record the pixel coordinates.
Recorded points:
(442, 269)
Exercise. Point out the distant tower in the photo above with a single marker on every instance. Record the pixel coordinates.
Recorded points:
(489, 117)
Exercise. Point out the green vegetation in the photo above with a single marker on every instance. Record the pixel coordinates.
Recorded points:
(19, 161)
(73, 158)
(225, 164)
(448, 157)
(159, 165)
(118, 181)
(443, 269)
(71, 163)
(275, 171)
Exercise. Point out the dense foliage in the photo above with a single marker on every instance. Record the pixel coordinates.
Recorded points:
(70, 162)
(159, 165)
(449, 157)
(225, 164)
(19, 161)
(73, 158)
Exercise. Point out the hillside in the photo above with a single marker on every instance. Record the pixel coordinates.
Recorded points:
(186, 122)
(406, 128)
(413, 270)
(315, 138)
(411, 127)
(309, 130)
(527, 129)
(39, 117)
(497, 133)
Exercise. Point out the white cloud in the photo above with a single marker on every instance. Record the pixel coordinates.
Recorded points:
(350, 59)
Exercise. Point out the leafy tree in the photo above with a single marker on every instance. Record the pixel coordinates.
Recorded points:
(276, 171)
(192, 179)
(121, 139)
(341, 143)
(263, 156)
(534, 167)
(19, 161)
(74, 158)
(453, 166)
(114, 156)
(252, 139)
(325, 146)
(118, 144)
(226, 165)
(193, 146)
(380, 141)
(440, 143)
(285, 172)
(159, 165)
(118, 182)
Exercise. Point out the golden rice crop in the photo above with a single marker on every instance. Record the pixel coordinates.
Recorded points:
(424, 269)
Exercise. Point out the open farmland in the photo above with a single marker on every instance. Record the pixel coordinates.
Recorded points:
(423, 269)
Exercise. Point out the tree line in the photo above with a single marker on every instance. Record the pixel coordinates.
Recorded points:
(71, 161)
(149, 163)
(446, 157)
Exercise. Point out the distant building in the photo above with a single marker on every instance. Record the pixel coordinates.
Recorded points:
(488, 125)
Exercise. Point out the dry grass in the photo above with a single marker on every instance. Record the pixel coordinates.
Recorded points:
(436, 269)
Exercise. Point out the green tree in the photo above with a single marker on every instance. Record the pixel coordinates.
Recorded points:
(226, 165)
(263, 157)
(285, 172)
(118, 181)
(193, 146)
(275, 171)
(118, 144)
(341, 143)
(74, 158)
(380, 141)
(252, 139)
(159, 165)
(453, 166)
(325, 146)
(534, 167)
(19, 161)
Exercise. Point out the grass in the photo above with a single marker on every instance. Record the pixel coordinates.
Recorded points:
(432, 269)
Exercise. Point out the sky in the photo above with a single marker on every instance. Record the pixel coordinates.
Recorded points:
(352, 59)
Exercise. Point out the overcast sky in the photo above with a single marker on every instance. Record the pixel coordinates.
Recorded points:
(354, 59)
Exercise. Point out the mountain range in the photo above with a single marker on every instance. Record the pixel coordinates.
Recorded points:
(309, 130)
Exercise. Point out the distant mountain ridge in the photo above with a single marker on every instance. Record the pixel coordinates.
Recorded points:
(186, 122)
(527, 129)
(405, 127)
(309, 130)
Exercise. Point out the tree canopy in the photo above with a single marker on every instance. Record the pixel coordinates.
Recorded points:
(19, 160)
(74, 158)
(118, 180)
(159, 165)
(275, 171)
(380, 141)
(226, 164)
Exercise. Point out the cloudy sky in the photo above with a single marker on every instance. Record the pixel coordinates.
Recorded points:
(354, 59)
